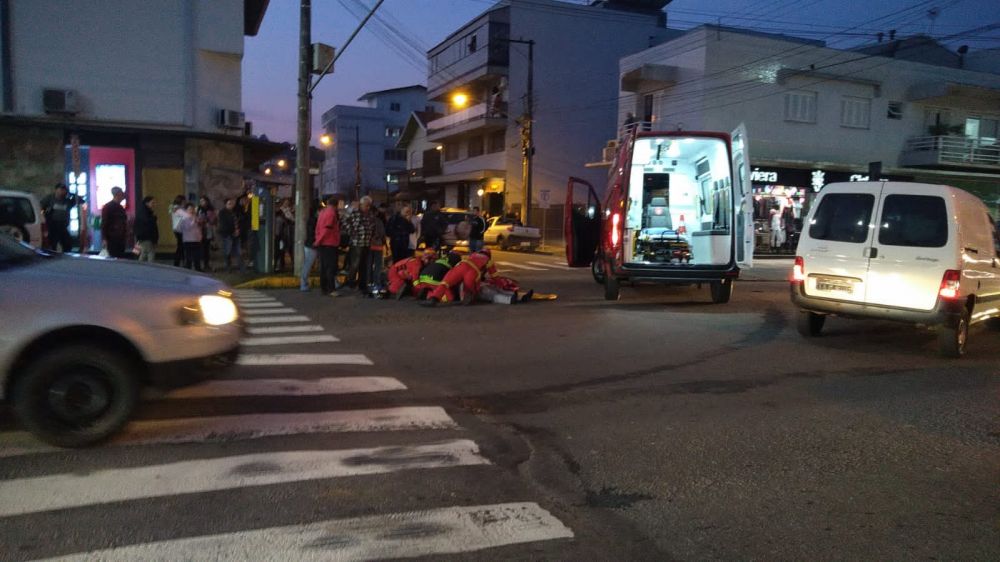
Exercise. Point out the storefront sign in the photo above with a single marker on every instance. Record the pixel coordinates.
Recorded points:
(813, 179)
(762, 176)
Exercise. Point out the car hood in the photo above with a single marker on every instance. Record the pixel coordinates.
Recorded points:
(129, 272)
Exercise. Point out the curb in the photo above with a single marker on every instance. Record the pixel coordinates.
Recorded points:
(275, 282)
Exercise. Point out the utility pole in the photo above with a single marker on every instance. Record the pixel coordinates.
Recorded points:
(357, 163)
(527, 137)
(303, 192)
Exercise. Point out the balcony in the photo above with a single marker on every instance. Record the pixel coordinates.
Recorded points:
(951, 151)
(480, 52)
(474, 119)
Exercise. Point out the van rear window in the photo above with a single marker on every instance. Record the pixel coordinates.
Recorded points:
(913, 220)
(843, 217)
(16, 210)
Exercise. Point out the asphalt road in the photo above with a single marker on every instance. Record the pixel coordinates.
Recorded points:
(657, 427)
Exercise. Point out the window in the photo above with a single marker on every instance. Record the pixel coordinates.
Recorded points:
(843, 217)
(451, 151)
(16, 210)
(394, 106)
(986, 130)
(497, 141)
(395, 154)
(913, 220)
(800, 107)
(895, 110)
(475, 146)
(855, 113)
(393, 132)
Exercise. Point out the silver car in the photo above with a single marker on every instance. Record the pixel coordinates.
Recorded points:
(81, 336)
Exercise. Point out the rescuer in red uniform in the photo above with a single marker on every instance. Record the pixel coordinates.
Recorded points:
(405, 272)
(432, 275)
(466, 274)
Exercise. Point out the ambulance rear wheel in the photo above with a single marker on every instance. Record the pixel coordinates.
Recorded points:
(597, 269)
(722, 291)
(612, 288)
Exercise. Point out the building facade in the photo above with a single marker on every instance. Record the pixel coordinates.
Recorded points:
(481, 73)
(141, 94)
(815, 115)
(362, 156)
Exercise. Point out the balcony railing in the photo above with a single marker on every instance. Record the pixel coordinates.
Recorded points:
(951, 150)
(467, 114)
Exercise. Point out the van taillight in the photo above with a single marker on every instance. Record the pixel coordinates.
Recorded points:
(615, 221)
(950, 284)
(799, 270)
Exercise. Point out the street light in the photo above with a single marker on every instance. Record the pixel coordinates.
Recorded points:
(282, 163)
(325, 140)
(267, 171)
(459, 100)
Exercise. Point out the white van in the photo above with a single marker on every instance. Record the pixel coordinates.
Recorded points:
(21, 217)
(913, 252)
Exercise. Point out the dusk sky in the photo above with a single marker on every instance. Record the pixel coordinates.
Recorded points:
(379, 59)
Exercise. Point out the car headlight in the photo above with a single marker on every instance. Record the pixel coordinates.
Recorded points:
(216, 310)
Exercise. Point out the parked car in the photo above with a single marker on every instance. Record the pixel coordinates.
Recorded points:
(510, 233)
(90, 332)
(918, 253)
(456, 234)
(21, 217)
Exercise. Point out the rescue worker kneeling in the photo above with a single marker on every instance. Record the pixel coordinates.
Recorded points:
(464, 277)
(433, 274)
(404, 273)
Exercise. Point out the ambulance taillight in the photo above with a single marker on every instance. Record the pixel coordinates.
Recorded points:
(615, 236)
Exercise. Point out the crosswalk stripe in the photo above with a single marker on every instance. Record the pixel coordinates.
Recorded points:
(275, 319)
(282, 340)
(62, 491)
(284, 330)
(447, 530)
(220, 429)
(304, 359)
(555, 265)
(519, 266)
(265, 311)
(288, 387)
(271, 304)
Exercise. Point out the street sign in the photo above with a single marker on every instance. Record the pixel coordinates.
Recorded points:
(543, 198)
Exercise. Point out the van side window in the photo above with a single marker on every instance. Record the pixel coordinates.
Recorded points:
(995, 234)
(843, 217)
(913, 220)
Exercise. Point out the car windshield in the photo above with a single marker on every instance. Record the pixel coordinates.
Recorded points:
(14, 253)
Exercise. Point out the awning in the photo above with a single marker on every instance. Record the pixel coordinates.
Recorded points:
(474, 175)
(968, 95)
(649, 76)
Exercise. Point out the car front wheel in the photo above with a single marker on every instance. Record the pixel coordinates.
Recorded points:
(76, 395)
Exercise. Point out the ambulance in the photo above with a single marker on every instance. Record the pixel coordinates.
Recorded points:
(678, 209)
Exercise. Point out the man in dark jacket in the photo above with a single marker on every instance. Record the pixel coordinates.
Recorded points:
(55, 208)
(399, 229)
(147, 232)
(477, 230)
(433, 226)
(229, 232)
(114, 224)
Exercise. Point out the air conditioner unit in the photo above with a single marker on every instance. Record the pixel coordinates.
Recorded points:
(229, 119)
(60, 101)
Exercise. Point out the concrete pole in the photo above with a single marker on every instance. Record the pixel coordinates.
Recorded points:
(303, 191)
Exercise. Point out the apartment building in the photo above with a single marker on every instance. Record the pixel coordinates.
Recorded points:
(362, 153)
(480, 72)
(907, 109)
(141, 94)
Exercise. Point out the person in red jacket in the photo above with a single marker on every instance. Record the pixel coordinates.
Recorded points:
(466, 274)
(327, 245)
(404, 273)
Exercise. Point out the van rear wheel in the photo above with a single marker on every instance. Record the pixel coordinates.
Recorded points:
(722, 291)
(953, 336)
(810, 324)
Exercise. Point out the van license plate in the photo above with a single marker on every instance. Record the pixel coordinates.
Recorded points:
(834, 287)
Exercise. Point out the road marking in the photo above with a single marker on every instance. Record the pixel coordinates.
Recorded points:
(224, 429)
(275, 319)
(555, 265)
(280, 340)
(284, 329)
(288, 387)
(304, 359)
(447, 530)
(262, 304)
(265, 311)
(519, 266)
(62, 491)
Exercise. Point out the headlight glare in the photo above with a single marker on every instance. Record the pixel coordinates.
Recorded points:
(216, 310)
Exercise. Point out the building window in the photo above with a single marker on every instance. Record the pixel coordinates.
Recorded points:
(800, 107)
(855, 112)
(451, 151)
(497, 141)
(476, 146)
(394, 106)
(393, 132)
(895, 110)
(395, 154)
(986, 130)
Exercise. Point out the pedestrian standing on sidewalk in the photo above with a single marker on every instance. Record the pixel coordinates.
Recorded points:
(377, 252)
(399, 229)
(360, 227)
(327, 241)
(229, 231)
(191, 234)
(477, 230)
(176, 215)
(56, 207)
(309, 257)
(208, 218)
(147, 232)
(114, 224)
